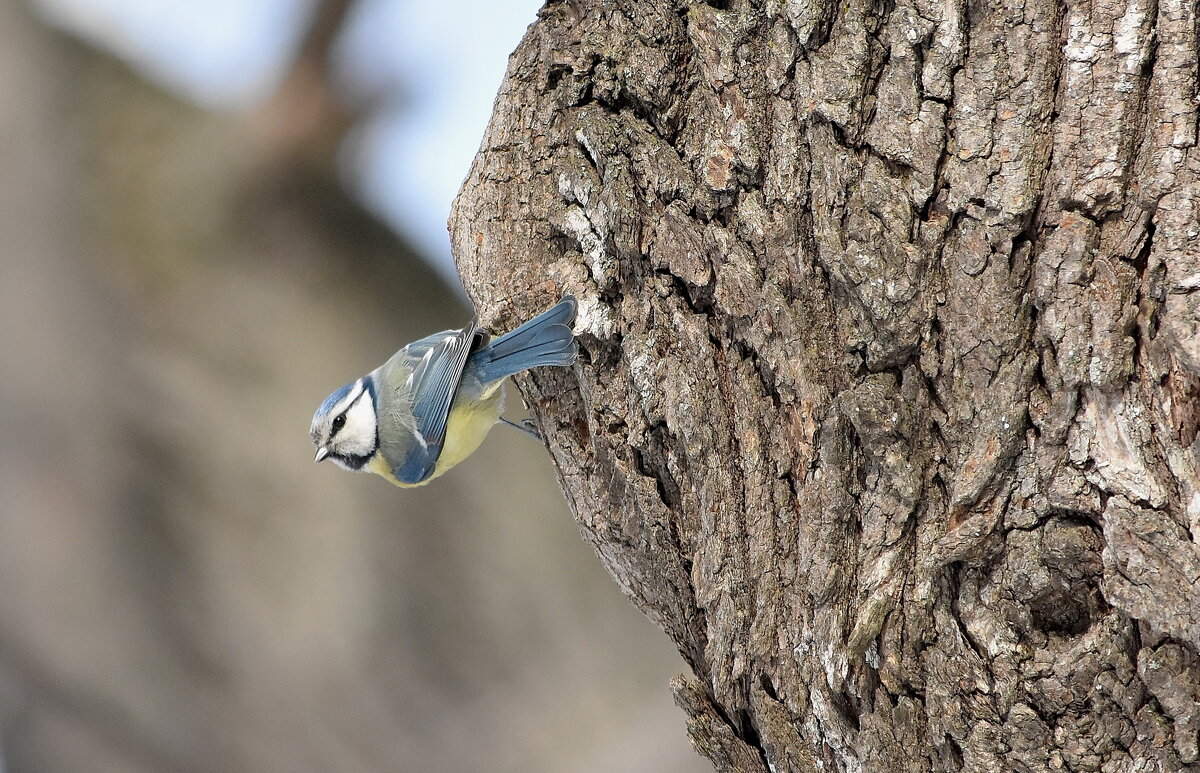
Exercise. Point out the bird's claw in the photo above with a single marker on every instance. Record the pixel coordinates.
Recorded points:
(526, 425)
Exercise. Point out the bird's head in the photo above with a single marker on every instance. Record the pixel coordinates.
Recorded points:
(345, 428)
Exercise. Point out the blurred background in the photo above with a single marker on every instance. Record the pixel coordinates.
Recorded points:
(212, 215)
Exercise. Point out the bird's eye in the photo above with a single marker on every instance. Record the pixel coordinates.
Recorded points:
(339, 422)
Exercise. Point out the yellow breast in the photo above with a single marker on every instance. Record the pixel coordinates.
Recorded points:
(468, 425)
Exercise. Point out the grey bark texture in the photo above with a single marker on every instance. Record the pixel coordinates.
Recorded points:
(887, 410)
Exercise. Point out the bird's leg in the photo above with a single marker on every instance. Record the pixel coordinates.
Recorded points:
(525, 426)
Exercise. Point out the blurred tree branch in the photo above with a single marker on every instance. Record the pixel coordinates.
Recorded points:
(306, 120)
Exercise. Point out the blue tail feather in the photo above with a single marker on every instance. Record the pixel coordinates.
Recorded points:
(544, 340)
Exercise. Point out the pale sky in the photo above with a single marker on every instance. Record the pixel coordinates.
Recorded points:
(432, 69)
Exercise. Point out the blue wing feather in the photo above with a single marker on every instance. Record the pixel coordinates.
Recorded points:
(435, 381)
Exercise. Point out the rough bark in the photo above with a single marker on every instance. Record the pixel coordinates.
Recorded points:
(887, 412)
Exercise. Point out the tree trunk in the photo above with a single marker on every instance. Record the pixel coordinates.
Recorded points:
(887, 408)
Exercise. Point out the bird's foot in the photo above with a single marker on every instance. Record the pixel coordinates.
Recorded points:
(525, 426)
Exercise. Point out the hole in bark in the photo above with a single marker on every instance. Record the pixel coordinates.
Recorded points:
(953, 752)
(745, 725)
(1141, 259)
(1056, 611)
(556, 74)
(1064, 592)
(560, 243)
(768, 687)
(842, 704)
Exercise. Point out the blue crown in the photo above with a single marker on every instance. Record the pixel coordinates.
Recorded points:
(334, 399)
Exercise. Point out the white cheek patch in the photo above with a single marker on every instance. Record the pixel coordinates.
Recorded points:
(357, 437)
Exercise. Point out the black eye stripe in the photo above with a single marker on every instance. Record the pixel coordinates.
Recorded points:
(339, 421)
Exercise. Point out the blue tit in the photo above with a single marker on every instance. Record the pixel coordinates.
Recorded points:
(430, 405)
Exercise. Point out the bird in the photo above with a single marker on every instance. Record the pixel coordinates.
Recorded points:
(432, 403)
